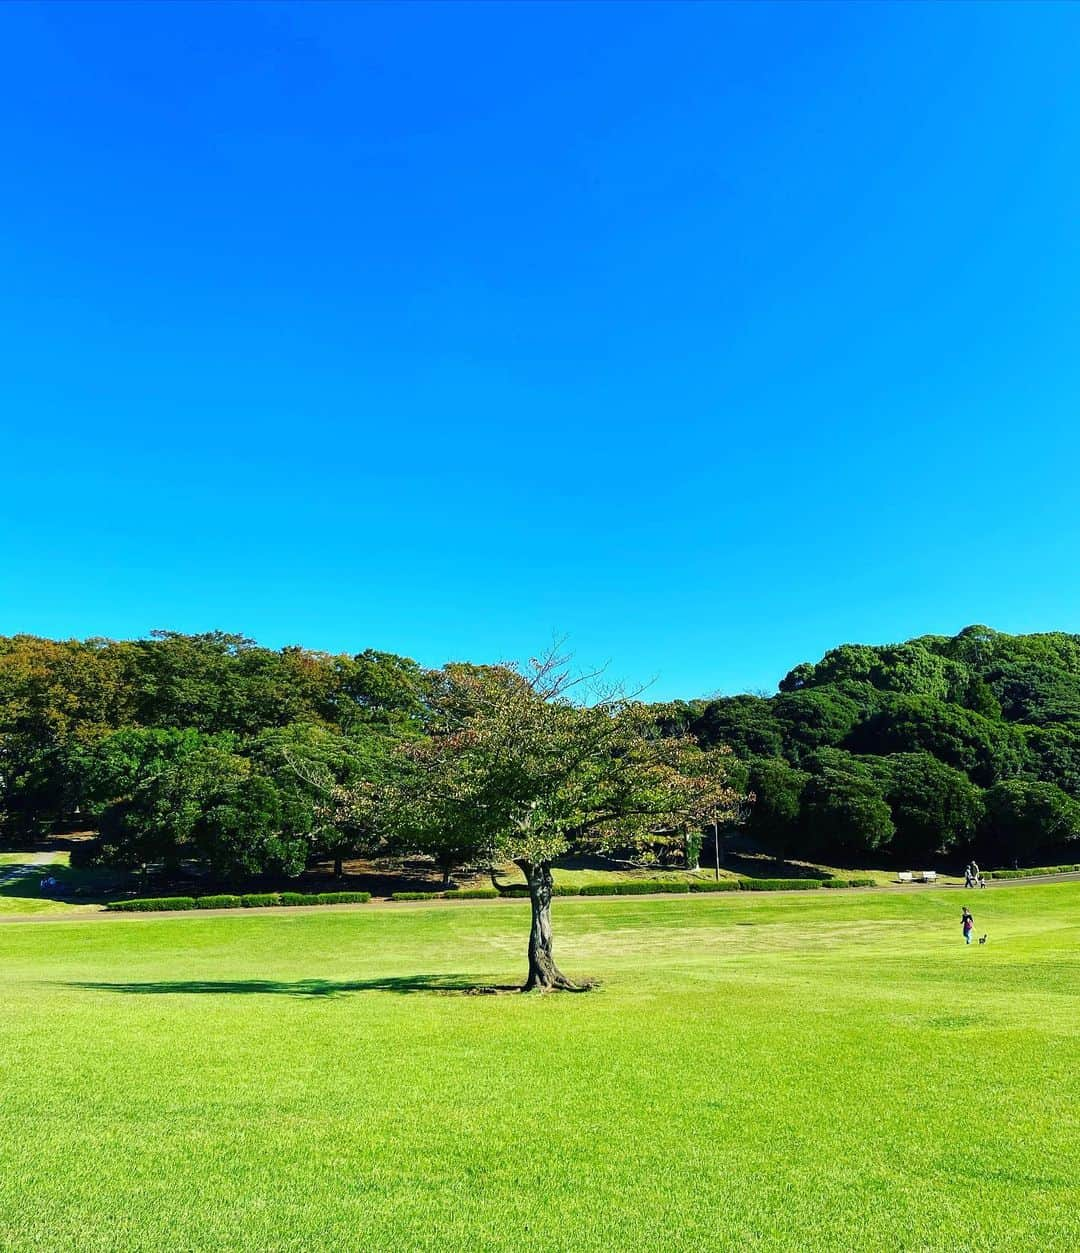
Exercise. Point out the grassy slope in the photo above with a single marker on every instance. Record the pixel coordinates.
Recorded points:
(827, 1071)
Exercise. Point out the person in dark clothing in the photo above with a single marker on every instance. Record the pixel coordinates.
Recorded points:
(968, 924)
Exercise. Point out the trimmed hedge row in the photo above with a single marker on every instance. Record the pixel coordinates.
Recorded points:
(629, 887)
(641, 887)
(778, 885)
(255, 900)
(633, 887)
(152, 905)
(1031, 872)
(218, 902)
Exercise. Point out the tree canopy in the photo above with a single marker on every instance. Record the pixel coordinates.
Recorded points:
(212, 749)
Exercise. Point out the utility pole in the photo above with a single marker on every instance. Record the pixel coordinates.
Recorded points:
(716, 844)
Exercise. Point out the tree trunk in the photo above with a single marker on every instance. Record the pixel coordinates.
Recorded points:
(339, 868)
(544, 975)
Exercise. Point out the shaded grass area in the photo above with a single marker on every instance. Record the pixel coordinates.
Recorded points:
(813, 1072)
(23, 894)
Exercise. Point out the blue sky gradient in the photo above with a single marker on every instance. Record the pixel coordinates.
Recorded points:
(710, 336)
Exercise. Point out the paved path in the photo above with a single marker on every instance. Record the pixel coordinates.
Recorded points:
(501, 902)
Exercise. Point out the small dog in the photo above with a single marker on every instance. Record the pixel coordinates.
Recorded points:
(982, 939)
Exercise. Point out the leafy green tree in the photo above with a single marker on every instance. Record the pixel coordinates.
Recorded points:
(333, 778)
(156, 820)
(935, 808)
(1036, 693)
(745, 724)
(1026, 821)
(532, 775)
(844, 811)
(775, 815)
(820, 717)
(986, 751)
(248, 826)
(1055, 753)
(381, 690)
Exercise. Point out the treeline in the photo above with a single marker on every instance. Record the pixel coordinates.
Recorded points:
(938, 746)
(208, 750)
(256, 761)
(201, 748)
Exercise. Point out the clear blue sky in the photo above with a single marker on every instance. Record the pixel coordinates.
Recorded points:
(710, 336)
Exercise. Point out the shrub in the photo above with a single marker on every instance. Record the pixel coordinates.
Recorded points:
(152, 905)
(294, 898)
(635, 887)
(778, 885)
(1030, 872)
(714, 885)
(566, 889)
(650, 887)
(415, 896)
(862, 883)
(218, 902)
(341, 898)
(257, 900)
(481, 894)
(835, 883)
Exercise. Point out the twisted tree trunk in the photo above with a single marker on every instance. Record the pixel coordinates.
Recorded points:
(544, 975)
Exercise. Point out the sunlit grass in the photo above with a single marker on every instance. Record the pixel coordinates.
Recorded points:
(807, 1072)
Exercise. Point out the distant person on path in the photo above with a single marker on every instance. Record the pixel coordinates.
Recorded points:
(974, 870)
(969, 878)
(968, 923)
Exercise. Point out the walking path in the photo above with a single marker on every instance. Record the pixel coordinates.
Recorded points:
(505, 901)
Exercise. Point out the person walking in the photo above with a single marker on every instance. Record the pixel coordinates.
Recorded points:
(968, 923)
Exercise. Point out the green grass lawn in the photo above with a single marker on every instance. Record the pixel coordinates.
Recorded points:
(805, 1072)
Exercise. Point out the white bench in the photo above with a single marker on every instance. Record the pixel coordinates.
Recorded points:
(929, 876)
(917, 876)
(905, 876)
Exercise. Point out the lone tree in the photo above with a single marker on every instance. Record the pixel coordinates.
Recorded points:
(518, 770)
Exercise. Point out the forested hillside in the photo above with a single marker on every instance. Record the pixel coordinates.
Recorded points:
(256, 761)
(939, 745)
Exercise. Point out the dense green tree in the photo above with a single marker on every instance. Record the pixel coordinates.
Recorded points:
(334, 778)
(1054, 751)
(382, 690)
(248, 826)
(934, 807)
(157, 820)
(745, 724)
(844, 812)
(1027, 821)
(986, 751)
(775, 815)
(813, 719)
(1036, 693)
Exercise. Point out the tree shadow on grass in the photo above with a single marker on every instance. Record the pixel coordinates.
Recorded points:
(404, 985)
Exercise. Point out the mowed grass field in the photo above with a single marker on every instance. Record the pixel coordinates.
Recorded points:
(818, 1071)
